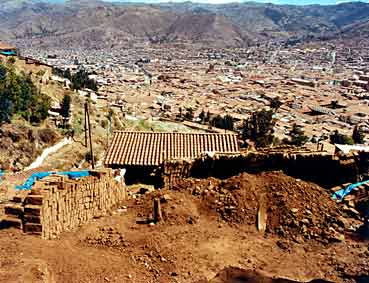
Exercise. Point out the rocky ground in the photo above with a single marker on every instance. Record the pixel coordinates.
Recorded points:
(208, 228)
(21, 144)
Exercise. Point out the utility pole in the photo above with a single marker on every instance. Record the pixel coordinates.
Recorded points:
(90, 135)
(110, 114)
(86, 109)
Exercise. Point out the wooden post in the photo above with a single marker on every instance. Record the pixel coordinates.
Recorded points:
(262, 214)
(158, 216)
(90, 136)
(86, 109)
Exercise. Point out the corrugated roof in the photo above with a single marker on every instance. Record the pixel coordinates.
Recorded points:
(152, 149)
(345, 148)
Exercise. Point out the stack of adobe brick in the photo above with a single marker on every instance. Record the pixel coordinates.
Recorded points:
(58, 204)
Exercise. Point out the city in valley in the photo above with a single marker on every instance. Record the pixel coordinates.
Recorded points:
(321, 87)
(184, 142)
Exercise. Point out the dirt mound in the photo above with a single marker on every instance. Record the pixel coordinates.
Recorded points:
(237, 275)
(294, 208)
(177, 207)
(105, 237)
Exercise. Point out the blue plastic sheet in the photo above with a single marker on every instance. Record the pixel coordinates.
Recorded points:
(39, 176)
(8, 53)
(339, 195)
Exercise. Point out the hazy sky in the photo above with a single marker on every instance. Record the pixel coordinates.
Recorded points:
(294, 2)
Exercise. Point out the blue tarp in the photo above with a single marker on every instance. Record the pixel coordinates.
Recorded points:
(38, 176)
(8, 53)
(1, 175)
(339, 195)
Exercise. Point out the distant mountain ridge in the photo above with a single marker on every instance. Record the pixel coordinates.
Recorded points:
(98, 24)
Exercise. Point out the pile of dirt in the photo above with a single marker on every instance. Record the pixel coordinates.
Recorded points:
(237, 275)
(294, 209)
(178, 208)
(105, 237)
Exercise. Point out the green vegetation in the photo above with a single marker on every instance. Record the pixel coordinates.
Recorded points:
(204, 117)
(11, 60)
(338, 138)
(259, 128)
(189, 114)
(275, 103)
(297, 136)
(225, 122)
(19, 96)
(358, 136)
(78, 124)
(79, 80)
(65, 107)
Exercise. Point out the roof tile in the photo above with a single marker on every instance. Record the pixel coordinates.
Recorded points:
(152, 149)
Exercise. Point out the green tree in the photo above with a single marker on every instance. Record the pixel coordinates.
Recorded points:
(228, 123)
(40, 109)
(6, 109)
(180, 113)
(217, 121)
(18, 95)
(81, 80)
(202, 116)
(297, 136)
(357, 135)
(259, 128)
(334, 104)
(11, 60)
(207, 117)
(2, 72)
(189, 114)
(65, 106)
(67, 74)
(275, 103)
(338, 138)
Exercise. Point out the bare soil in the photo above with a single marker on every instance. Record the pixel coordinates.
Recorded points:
(193, 244)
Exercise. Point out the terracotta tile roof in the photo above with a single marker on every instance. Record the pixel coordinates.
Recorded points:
(149, 148)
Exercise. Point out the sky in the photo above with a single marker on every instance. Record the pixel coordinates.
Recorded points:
(293, 2)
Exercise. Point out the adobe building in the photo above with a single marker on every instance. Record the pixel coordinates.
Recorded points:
(143, 154)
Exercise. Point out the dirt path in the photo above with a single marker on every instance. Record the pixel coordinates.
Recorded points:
(115, 249)
(38, 162)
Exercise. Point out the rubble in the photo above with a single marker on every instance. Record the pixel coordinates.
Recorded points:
(235, 275)
(296, 210)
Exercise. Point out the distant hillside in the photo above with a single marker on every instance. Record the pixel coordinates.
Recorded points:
(356, 30)
(100, 24)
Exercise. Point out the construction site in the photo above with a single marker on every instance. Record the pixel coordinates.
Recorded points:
(101, 195)
(283, 215)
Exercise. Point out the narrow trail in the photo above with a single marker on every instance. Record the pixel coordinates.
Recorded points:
(38, 162)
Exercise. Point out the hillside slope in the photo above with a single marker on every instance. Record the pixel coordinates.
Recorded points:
(100, 24)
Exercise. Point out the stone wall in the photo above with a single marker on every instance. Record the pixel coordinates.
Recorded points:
(56, 203)
(322, 168)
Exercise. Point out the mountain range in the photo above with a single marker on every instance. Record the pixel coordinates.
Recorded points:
(97, 24)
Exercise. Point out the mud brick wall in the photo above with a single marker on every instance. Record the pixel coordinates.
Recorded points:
(58, 204)
(325, 169)
(175, 170)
